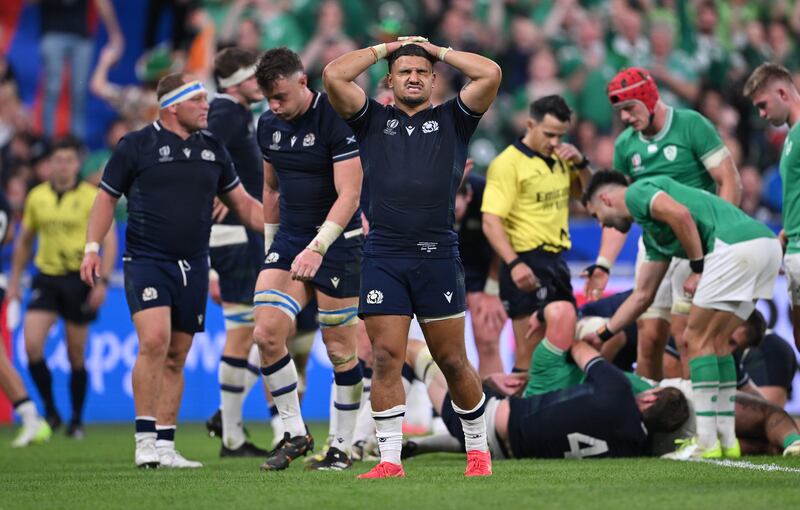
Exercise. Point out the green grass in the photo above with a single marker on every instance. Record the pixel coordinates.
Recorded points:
(98, 473)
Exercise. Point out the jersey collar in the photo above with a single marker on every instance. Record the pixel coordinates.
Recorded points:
(532, 153)
(664, 129)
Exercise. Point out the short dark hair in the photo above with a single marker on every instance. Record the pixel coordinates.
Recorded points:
(668, 413)
(409, 50)
(68, 142)
(169, 83)
(554, 105)
(600, 179)
(756, 329)
(230, 60)
(275, 64)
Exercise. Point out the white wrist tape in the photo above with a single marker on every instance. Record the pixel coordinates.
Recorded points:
(213, 276)
(603, 262)
(492, 287)
(91, 247)
(379, 50)
(270, 229)
(328, 233)
(443, 52)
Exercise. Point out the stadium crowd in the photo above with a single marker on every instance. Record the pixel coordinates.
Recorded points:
(562, 104)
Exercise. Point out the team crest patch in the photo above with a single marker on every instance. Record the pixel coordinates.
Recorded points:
(149, 294)
(430, 126)
(670, 152)
(541, 294)
(208, 155)
(272, 258)
(309, 140)
(374, 297)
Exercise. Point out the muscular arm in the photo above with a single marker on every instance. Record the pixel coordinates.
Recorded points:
(729, 185)
(496, 235)
(20, 257)
(270, 196)
(347, 176)
(109, 252)
(650, 276)
(665, 209)
(484, 75)
(338, 77)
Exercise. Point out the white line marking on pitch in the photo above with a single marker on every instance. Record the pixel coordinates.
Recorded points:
(743, 464)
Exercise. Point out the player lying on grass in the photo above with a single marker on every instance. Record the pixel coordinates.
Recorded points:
(762, 427)
(598, 417)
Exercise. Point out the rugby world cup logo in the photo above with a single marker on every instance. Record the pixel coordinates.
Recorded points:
(391, 125)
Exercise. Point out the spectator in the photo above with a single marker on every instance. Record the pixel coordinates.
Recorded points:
(65, 37)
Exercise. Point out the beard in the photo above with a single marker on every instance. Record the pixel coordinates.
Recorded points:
(621, 224)
(412, 100)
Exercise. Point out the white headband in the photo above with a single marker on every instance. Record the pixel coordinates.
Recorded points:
(242, 74)
(181, 94)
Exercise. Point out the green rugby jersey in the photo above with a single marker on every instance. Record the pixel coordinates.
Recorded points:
(715, 218)
(677, 151)
(790, 179)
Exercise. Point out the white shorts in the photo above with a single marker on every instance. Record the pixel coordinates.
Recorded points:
(736, 275)
(670, 298)
(791, 265)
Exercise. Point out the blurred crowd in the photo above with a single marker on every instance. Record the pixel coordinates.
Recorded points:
(699, 51)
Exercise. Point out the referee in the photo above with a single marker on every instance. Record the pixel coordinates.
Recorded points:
(525, 217)
(170, 172)
(57, 212)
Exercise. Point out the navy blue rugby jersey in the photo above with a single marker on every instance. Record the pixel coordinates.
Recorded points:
(303, 152)
(232, 124)
(170, 184)
(412, 169)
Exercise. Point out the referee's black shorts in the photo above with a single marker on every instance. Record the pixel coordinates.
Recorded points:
(65, 295)
(553, 275)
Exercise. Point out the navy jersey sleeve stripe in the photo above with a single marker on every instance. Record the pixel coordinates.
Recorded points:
(360, 113)
(345, 156)
(108, 189)
(466, 108)
(230, 186)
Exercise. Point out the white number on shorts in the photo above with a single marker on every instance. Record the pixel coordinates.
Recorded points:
(593, 446)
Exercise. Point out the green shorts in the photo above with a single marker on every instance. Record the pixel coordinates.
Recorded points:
(550, 370)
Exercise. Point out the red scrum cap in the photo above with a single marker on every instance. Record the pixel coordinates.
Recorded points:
(633, 84)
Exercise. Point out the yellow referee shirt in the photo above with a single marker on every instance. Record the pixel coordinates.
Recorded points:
(60, 222)
(531, 194)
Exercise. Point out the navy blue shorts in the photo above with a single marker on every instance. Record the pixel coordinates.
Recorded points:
(150, 283)
(238, 266)
(427, 288)
(340, 272)
(63, 294)
(554, 278)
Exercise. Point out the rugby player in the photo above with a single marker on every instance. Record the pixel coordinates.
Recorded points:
(414, 155)
(733, 259)
(170, 172)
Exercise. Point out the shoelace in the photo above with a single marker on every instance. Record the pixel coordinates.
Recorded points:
(684, 443)
(477, 463)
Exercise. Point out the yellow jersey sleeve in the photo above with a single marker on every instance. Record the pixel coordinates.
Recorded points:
(501, 185)
(29, 219)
